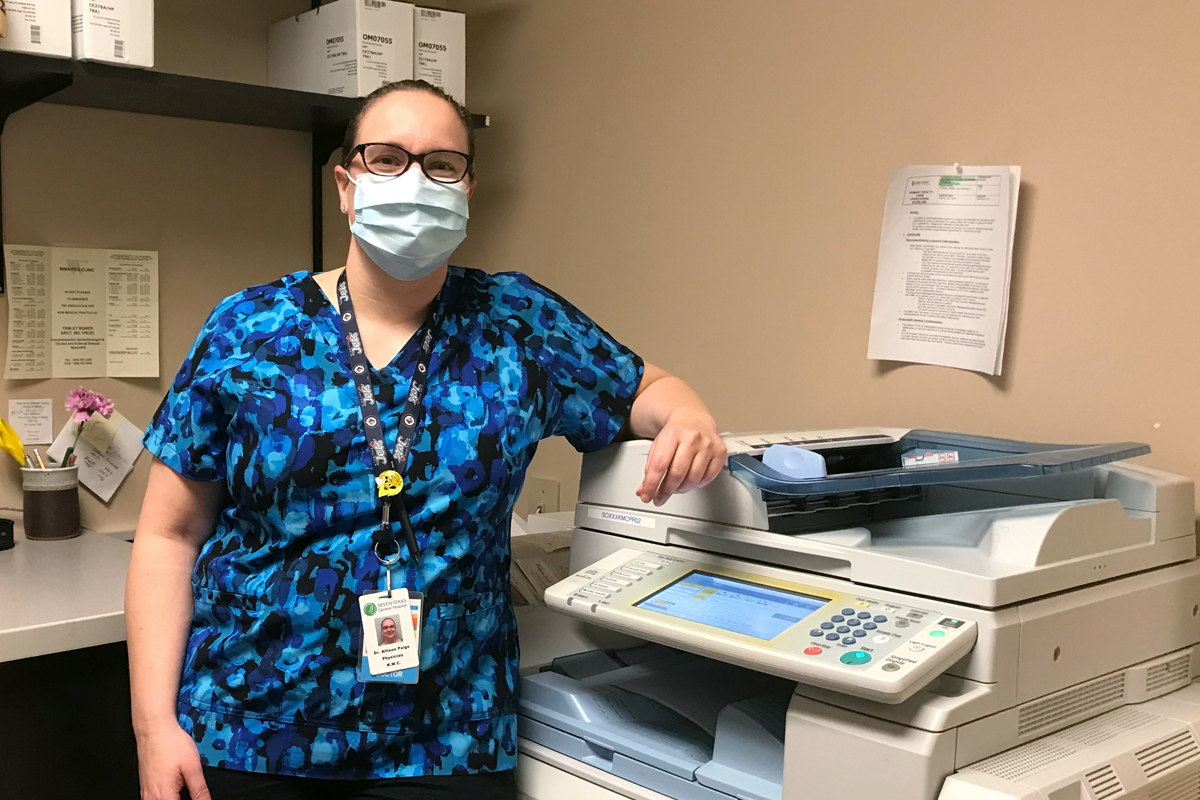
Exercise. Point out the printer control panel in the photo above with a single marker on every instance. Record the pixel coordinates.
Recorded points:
(869, 631)
(828, 635)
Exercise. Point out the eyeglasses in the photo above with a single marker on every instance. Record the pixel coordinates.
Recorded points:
(388, 160)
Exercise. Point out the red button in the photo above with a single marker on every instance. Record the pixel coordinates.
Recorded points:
(813, 651)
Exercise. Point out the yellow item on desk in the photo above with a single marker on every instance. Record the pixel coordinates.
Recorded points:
(11, 443)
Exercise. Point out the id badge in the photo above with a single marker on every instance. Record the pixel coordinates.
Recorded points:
(410, 671)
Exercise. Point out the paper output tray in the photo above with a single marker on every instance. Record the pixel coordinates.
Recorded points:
(597, 710)
(980, 458)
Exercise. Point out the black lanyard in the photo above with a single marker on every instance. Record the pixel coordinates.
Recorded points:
(389, 468)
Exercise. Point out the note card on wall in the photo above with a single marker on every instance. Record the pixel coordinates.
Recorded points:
(81, 313)
(945, 267)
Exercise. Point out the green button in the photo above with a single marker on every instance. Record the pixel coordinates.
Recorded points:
(855, 657)
(937, 633)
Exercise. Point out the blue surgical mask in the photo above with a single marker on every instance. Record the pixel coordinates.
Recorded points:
(408, 225)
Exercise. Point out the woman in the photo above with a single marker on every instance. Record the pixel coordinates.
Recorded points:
(325, 427)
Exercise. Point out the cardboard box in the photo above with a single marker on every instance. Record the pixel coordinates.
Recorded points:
(347, 47)
(113, 31)
(40, 27)
(290, 62)
(366, 43)
(440, 50)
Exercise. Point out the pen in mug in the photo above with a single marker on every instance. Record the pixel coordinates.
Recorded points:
(41, 464)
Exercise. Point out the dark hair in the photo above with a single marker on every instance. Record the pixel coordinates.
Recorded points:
(409, 85)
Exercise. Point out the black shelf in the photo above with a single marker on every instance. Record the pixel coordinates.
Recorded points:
(27, 79)
(147, 92)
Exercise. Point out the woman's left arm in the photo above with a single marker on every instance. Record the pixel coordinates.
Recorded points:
(687, 452)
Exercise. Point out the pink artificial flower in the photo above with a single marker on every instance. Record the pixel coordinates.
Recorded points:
(77, 402)
(82, 402)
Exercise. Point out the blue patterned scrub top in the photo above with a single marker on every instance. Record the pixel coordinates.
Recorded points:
(265, 403)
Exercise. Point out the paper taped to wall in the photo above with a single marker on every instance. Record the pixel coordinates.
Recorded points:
(81, 313)
(131, 340)
(77, 312)
(28, 271)
(945, 263)
(99, 431)
(33, 420)
(102, 471)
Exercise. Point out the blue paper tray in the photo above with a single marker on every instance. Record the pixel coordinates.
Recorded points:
(980, 458)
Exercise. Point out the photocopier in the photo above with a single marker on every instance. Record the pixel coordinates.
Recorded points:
(900, 614)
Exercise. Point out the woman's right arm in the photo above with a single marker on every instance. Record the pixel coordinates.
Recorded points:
(178, 515)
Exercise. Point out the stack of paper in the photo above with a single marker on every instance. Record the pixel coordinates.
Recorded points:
(945, 264)
(540, 560)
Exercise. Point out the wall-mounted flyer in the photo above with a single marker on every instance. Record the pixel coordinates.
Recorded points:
(81, 313)
(945, 263)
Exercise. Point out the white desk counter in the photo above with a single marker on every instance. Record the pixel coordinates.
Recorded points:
(64, 595)
(70, 594)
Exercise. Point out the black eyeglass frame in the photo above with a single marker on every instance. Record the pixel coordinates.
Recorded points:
(360, 151)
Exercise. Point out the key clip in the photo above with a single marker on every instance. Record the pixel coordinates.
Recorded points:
(394, 557)
(390, 560)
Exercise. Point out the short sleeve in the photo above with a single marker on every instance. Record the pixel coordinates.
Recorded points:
(594, 376)
(189, 432)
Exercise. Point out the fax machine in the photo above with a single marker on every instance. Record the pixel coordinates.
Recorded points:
(911, 615)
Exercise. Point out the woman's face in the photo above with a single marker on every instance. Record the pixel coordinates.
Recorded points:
(414, 120)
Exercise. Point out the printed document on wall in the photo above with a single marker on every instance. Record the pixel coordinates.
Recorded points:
(81, 313)
(132, 338)
(945, 263)
(77, 306)
(32, 420)
(28, 312)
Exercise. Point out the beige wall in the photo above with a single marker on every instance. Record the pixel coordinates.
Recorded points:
(707, 180)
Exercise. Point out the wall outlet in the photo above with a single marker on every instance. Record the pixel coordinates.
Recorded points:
(541, 494)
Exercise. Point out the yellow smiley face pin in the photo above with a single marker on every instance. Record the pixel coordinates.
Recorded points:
(389, 483)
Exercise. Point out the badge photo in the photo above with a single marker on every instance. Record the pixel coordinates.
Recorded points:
(409, 675)
(389, 637)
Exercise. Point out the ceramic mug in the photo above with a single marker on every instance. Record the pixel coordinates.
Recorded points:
(51, 502)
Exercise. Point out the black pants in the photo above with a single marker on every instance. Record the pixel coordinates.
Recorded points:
(228, 784)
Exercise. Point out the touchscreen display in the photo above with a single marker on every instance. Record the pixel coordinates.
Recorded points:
(763, 612)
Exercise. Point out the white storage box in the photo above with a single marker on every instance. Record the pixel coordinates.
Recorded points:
(347, 47)
(440, 50)
(40, 27)
(114, 31)
(291, 63)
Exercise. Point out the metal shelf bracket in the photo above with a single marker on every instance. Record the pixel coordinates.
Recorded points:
(326, 138)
